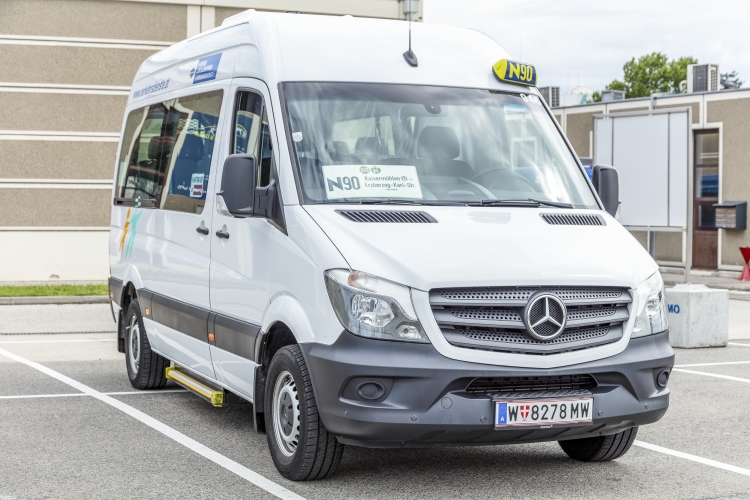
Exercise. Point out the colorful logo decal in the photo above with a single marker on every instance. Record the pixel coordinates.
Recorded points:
(364, 170)
(126, 247)
(377, 170)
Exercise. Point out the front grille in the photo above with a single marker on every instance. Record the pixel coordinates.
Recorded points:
(486, 385)
(387, 216)
(486, 313)
(520, 337)
(523, 293)
(573, 220)
(491, 318)
(591, 312)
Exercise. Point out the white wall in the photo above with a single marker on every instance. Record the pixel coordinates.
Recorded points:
(37, 255)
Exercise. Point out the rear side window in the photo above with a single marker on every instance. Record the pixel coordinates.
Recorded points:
(166, 153)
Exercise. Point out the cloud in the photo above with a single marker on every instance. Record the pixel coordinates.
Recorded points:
(587, 42)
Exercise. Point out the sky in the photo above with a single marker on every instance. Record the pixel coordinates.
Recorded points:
(575, 42)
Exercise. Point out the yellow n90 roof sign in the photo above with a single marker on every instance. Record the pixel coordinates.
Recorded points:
(515, 72)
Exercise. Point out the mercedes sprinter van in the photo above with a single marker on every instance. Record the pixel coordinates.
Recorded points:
(377, 248)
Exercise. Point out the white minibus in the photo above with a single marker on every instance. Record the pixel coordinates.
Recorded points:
(375, 244)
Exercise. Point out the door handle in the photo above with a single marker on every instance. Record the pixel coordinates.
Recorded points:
(222, 234)
(203, 230)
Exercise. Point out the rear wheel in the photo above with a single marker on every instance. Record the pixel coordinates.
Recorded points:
(301, 447)
(601, 448)
(146, 369)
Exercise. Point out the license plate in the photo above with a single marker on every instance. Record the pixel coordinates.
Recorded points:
(543, 412)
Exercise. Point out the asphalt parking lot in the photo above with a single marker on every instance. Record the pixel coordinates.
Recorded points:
(71, 426)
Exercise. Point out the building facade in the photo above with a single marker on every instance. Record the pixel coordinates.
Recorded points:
(67, 69)
(720, 170)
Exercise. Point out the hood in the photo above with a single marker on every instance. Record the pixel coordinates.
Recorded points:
(487, 246)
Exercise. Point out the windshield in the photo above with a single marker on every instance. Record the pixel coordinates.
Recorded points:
(361, 142)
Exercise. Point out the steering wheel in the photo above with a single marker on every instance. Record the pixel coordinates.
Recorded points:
(504, 175)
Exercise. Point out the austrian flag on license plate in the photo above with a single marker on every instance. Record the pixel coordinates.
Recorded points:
(543, 412)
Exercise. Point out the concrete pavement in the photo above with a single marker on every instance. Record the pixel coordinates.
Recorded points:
(59, 445)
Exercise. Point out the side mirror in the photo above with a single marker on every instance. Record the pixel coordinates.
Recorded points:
(607, 185)
(238, 184)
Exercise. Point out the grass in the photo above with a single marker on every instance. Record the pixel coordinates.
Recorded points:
(51, 290)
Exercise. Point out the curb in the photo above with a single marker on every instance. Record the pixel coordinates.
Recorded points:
(74, 299)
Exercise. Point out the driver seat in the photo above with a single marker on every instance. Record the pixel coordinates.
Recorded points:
(439, 148)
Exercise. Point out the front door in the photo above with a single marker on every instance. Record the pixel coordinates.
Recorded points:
(705, 194)
(241, 248)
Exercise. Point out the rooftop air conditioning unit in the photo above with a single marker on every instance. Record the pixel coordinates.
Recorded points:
(613, 95)
(703, 78)
(551, 95)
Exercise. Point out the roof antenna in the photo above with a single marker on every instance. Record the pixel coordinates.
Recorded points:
(409, 55)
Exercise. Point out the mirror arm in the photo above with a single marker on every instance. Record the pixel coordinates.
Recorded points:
(265, 200)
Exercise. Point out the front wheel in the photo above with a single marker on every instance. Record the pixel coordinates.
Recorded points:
(600, 448)
(301, 447)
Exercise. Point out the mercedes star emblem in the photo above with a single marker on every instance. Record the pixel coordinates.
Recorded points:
(544, 316)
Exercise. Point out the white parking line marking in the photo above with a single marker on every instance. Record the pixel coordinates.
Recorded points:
(687, 456)
(55, 341)
(716, 364)
(736, 379)
(205, 451)
(44, 396)
(737, 343)
(124, 393)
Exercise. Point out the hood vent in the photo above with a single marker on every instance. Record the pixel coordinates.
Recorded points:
(574, 219)
(390, 216)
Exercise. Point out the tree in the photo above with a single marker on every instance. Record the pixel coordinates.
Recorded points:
(652, 73)
(731, 81)
(596, 97)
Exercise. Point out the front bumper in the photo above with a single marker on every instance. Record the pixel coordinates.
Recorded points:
(415, 379)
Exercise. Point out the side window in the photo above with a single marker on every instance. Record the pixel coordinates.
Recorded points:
(196, 118)
(252, 133)
(166, 153)
(142, 166)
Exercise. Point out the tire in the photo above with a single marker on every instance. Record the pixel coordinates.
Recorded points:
(305, 451)
(601, 448)
(146, 369)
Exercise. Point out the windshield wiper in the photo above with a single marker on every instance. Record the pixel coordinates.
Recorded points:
(518, 203)
(393, 201)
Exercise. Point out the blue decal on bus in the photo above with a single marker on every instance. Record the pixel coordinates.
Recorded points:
(206, 69)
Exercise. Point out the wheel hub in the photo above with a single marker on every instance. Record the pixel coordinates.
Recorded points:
(286, 418)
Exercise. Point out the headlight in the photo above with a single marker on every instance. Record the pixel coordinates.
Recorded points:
(372, 307)
(652, 307)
